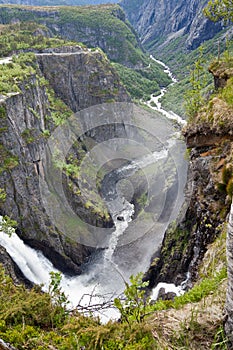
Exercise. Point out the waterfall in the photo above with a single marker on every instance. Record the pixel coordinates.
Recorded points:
(32, 263)
(168, 288)
(37, 269)
(105, 275)
(121, 221)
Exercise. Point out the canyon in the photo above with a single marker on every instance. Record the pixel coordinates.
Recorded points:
(68, 79)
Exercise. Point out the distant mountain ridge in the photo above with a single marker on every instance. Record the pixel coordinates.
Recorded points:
(56, 2)
(159, 22)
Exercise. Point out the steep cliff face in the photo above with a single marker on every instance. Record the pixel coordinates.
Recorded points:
(159, 22)
(81, 79)
(208, 191)
(202, 219)
(27, 119)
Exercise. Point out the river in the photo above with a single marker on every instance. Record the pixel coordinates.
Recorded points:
(105, 275)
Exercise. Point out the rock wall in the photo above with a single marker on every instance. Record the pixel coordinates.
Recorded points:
(207, 201)
(26, 122)
(158, 22)
(202, 217)
(81, 79)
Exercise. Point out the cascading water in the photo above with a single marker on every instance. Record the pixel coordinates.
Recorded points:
(121, 221)
(105, 276)
(31, 262)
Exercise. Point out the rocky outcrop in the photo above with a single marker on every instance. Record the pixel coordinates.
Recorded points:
(202, 216)
(26, 122)
(81, 78)
(210, 140)
(158, 23)
(212, 126)
(222, 72)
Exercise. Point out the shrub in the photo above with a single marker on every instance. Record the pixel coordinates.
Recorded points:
(227, 173)
(133, 306)
(2, 112)
(229, 188)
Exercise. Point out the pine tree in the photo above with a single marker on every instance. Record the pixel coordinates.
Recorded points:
(219, 10)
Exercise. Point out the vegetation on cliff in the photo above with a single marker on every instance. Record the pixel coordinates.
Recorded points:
(36, 320)
(28, 36)
(96, 26)
(99, 26)
(29, 99)
(32, 319)
(15, 72)
(215, 113)
(219, 10)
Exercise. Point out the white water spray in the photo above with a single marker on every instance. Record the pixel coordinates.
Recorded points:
(32, 263)
(121, 221)
(103, 276)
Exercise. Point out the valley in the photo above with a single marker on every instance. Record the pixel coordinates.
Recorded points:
(116, 169)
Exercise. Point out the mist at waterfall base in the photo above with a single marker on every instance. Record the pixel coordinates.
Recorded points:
(105, 274)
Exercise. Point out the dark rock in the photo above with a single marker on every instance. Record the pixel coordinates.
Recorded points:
(81, 80)
(30, 111)
(185, 242)
(166, 296)
(221, 74)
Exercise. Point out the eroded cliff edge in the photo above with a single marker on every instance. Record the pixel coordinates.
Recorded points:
(28, 118)
(209, 138)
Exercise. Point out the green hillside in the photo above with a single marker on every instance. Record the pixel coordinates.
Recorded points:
(101, 26)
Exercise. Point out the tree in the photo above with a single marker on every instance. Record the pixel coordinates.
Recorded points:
(217, 10)
(133, 307)
(194, 98)
(59, 299)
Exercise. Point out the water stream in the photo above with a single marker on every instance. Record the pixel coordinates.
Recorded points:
(154, 102)
(104, 276)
